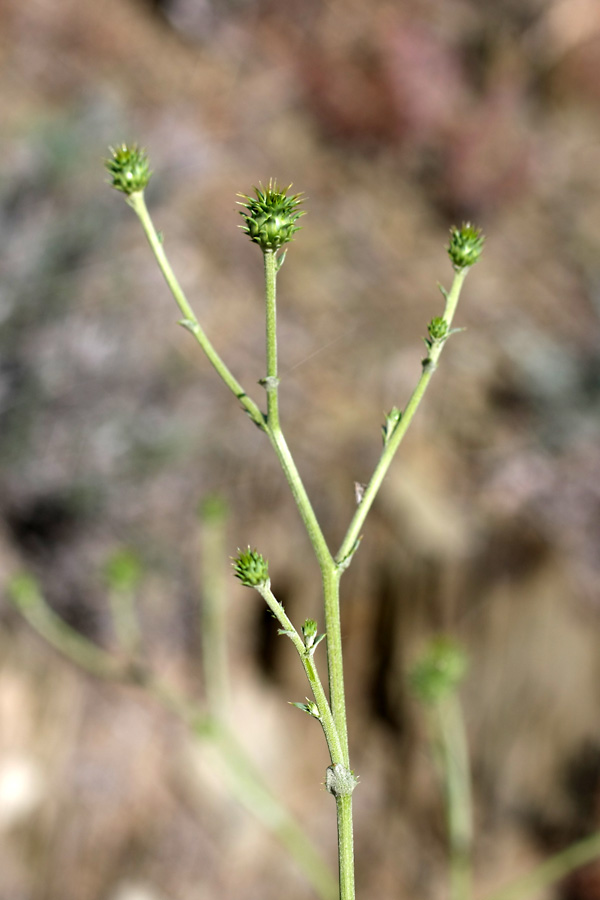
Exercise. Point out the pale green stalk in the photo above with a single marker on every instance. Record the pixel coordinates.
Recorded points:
(213, 606)
(454, 763)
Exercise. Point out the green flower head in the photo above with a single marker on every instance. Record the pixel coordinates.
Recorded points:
(466, 245)
(437, 328)
(271, 216)
(128, 168)
(251, 568)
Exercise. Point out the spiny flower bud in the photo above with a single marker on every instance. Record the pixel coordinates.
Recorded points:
(128, 168)
(439, 671)
(466, 244)
(271, 216)
(251, 568)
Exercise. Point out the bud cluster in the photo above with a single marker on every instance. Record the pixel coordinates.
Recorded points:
(270, 217)
(251, 568)
(466, 245)
(128, 167)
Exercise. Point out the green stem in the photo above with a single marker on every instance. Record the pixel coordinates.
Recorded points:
(335, 659)
(213, 606)
(548, 873)
(459, 806)
(272, 380)
(391, 446)
(189, 321)
(273, 426)
(345, 847)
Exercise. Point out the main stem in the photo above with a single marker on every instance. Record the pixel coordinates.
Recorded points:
(330, 575)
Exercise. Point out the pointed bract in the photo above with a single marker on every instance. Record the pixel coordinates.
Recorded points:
(271, 216)
(251, 568)
(466, 245)
(128, 167)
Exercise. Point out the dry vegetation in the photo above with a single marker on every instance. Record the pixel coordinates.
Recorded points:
(396, 120)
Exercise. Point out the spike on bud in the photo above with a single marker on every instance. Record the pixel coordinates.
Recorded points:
(439, 671)
(271, 216)
(466, 245)
(309, 707)
(391, 420)
(251, 568)
(309, 631)
(128, 168)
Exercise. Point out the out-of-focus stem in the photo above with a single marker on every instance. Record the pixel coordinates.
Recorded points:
(247, 784)
(213, 605)
(551, 871)
(454, 762)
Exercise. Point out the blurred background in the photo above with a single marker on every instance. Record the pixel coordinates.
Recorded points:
(397, 119)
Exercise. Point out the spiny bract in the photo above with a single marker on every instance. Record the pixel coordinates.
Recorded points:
(466, 244)
(128, 167)
(250, 567)
(271, 216)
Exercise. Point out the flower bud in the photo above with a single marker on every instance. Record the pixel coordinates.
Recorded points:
(437, 328)
(466, 244)
(128, 168)
(309, 632)
(391, 420)
(270, 217)
(251, 568)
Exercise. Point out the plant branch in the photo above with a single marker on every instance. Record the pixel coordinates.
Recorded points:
(189, 321)
(307, 657)
(391, 446)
